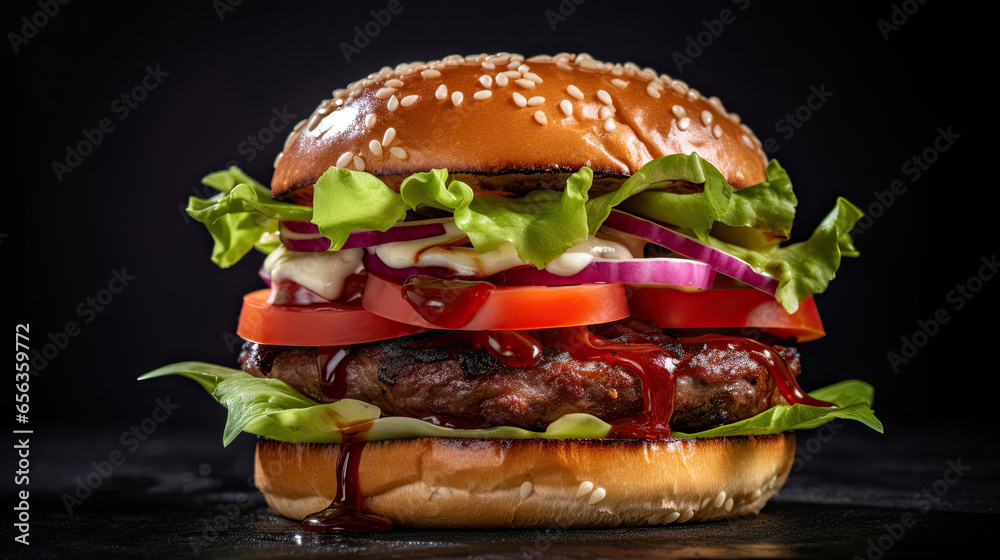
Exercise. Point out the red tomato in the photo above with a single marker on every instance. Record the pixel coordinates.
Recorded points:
(506, 308)
(726, 308)
(327, 324)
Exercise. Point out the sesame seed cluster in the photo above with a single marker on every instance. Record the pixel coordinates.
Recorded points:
(380, 123)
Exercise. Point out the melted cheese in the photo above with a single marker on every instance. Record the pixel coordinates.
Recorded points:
(322, 273)
(577, 257)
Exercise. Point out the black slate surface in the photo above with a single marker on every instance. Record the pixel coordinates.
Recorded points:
(910, 493)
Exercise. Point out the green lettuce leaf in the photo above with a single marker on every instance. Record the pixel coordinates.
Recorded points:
(853, 399)
(346, 200)
(806, 267)
(271, 408)
(241, 216)
(767, 206)
(540, 225)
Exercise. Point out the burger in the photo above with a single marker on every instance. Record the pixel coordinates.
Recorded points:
(510, 292)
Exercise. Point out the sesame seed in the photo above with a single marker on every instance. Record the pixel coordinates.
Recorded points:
(678, 111)
(442, 491)
(729, 504)
(299, 125)
(370, 119)
(277, 158)
(605, 112)
(441, 92)
(398, 153)
(408, 100)
(652, 91)
(734, 117)
(574, 91)
(523, 68)
(512, 74)
(746, 140)
(288, 139)
(389, 136)
(754, 496)
(717, 131)
(720, 499)
(540, 117)
(456, 98)
(535, 101)
(486, 80)
(513, 65)
(533, 77)
(430, 73)
(501, 80)
(679, 86)
(693, 95)
(655, 519)
(567, 107)
(359, 163)
(671, 518)
(345, 159)
(393, 104)
(526, 489)
(597, 496)
(487, 65)
(528, 84)
(706, 117)
(684, 123)
(686, 516)
(609, 125)
(619, 83)
(384, 93)
(482, 94)
(520, 100)
(604, 96)
(375, 147)
(394, 83)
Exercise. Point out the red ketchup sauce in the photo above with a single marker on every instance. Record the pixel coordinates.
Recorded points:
(345, 513)
(446, 303)
(650, 363)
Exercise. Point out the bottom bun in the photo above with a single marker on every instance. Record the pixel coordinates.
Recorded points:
(461, 483)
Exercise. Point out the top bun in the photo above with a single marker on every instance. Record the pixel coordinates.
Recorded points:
(505, 124)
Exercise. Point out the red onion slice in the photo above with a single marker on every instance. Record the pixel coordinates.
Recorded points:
(718, 260)
(666, 273)
(305, 236)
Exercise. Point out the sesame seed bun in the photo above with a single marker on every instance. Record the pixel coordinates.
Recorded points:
(506, 125)
(459, 483)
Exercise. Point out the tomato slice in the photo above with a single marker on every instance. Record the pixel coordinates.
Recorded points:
(327, 324)
(511, 308)
(726, 308)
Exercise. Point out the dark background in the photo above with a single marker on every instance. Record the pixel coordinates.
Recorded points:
(227, 74)
(228, 69)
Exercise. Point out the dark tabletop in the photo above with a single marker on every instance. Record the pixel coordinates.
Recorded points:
(852, 494)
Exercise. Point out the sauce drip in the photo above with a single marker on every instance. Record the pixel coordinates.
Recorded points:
(767, 357)
(345, 513)
(651, 364)
(446, 303)
(512, 348)
(332, 370)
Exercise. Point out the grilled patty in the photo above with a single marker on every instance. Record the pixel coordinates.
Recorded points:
(430, 377)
